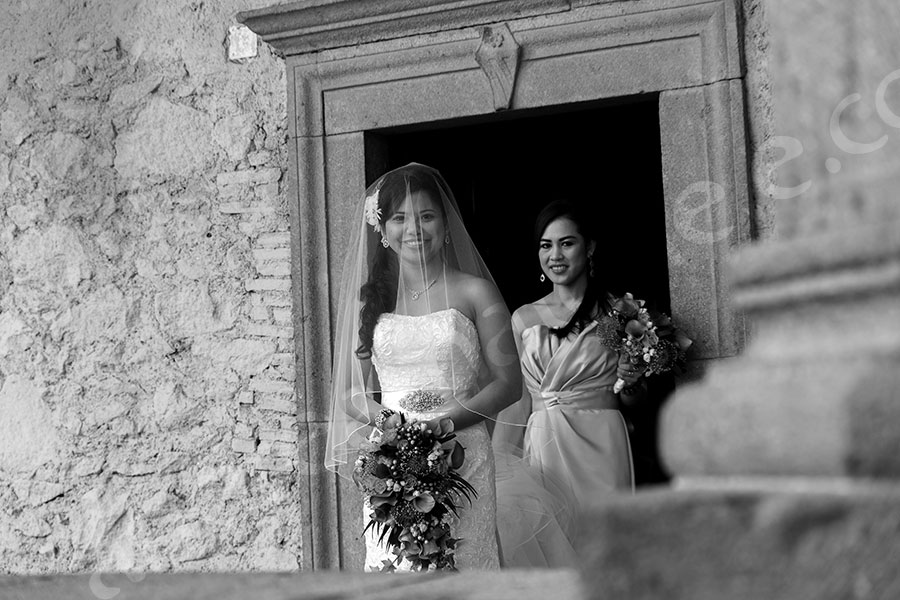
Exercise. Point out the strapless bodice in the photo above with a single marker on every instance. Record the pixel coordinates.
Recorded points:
(438, 351)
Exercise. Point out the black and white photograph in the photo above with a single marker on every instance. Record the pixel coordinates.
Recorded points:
(427, 299)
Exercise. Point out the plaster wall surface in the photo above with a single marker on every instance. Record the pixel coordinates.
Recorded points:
(146, 375)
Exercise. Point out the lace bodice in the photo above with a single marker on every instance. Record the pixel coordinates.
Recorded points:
(439, 350)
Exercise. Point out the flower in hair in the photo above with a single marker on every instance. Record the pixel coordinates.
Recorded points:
(372, 212)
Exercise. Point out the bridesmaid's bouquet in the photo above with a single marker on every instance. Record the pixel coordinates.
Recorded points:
(407, 471)
(648, 338)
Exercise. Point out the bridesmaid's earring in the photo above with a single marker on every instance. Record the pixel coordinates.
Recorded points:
(543, 279)
(385, 242)
(447, 240)
(590, 265)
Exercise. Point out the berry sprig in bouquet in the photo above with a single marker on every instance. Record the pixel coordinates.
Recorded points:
(408, 472)
(649, 338)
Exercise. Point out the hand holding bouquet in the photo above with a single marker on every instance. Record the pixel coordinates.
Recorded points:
(647, 340)
(407, 470)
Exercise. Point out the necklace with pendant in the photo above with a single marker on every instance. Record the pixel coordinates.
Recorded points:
(416, 293)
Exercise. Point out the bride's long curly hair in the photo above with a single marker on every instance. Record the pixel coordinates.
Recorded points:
(595, 294)
(379, 293)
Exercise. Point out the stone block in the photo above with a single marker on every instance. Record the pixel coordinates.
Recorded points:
(31, 525)
(264, 448)
(35, 492)
(283, 359)
(259, 158)
(248, 177)
(4, 172)
(241, 43)
(259, 313)
(63, 156)
(166, 140)
(132, 94)
(274, 269)
(29, 436)
(233, 208)
(243, 430)
(278, 435)
(269, 386)
(246, 445)
(779, 540)
(282, 448)
(54, 257)
(277, 298)
(268, 284)
(271, 463)
(277, 404)
(277, 239)
(272, 255)
(282, 315)
(18, 121)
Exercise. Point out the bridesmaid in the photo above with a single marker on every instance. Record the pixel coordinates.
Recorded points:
(575, 433)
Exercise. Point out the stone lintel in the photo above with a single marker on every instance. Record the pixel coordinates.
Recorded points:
(310, 26)
(776, 541)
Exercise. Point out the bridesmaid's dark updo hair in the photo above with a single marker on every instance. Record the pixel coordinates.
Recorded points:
(594, 295)
(379, 293)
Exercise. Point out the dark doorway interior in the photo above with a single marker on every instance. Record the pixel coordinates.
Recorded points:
(504, 170)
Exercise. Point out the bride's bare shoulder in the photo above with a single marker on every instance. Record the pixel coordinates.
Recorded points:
(472, 286)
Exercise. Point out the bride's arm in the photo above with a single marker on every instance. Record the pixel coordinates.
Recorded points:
(509, 431)
(365, 411)
(504, 381)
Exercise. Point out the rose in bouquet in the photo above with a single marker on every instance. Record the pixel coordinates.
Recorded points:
(648, 338)
(408, 472)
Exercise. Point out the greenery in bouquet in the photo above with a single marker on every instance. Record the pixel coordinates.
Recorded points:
(407, 471)
(649, 338)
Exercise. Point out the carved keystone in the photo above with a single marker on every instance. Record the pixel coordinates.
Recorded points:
(498, 57)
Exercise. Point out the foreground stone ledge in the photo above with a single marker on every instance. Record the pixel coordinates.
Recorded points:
(333, 585)
(769, 540)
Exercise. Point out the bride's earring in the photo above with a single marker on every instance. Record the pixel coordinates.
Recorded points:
(590, 265)
(447, 240)
(543, 279)
(385, 242)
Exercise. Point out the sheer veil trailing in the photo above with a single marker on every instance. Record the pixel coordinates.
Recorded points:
(408, 250)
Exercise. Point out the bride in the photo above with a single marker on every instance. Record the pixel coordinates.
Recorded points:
(419, 311)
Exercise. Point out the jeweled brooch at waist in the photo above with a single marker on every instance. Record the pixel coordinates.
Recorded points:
(421, 401)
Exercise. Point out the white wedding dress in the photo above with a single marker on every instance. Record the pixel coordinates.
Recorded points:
(440, 351)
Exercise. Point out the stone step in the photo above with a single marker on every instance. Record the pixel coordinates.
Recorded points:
(322, 585)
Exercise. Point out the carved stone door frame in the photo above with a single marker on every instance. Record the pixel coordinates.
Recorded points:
(360, 65)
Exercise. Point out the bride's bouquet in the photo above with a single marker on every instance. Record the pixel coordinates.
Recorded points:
(407, 472)
(648, 338)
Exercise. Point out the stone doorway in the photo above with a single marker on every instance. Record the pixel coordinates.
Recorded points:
(360, 71)
(504, 168)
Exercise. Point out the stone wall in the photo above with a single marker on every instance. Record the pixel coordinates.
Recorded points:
(146, 371)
